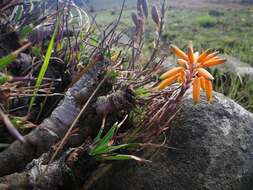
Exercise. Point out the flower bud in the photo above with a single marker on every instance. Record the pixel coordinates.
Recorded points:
(139, 8)
(135, 19)
(144, 4)
(155, 15)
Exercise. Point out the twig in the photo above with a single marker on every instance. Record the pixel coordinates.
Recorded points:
(8, 124)
(157, 43)
(75, 122)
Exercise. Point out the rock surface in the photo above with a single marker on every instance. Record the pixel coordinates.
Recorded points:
(214, 150)
(235, 66)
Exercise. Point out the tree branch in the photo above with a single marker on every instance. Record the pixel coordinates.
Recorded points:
(53, 128)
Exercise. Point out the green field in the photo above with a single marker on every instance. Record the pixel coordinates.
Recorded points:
(229, 31)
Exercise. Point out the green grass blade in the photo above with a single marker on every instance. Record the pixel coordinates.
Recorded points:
(107, 149)
(18, 13)
(117, 147)
(4, 78)
(6, 60)
(106, 139)
(25, 31)
(123, 157)
(45, 63)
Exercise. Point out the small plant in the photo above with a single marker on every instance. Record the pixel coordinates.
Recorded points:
(103, 148)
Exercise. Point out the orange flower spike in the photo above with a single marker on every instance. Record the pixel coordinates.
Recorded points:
(167, 82)
(212, 59)
(203, 55)
(196, 56)
(204, 73)
(191, 53)
(171, 72)
(181, 77)
(179, 52)
(182, 62)
(202, 83)
(196, 90)
(213, 62)
(209, 90)
(210, 56)
(192, 70)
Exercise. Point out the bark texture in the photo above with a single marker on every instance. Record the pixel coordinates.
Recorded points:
(51, 130)
(68, 172)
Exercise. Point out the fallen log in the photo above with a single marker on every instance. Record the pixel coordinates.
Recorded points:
(68, 172)
(52, 129)
(74, 166)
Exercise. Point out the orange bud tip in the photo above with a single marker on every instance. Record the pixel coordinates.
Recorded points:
(171, 72)
(196, 90)
(204, 73)
(178, 52)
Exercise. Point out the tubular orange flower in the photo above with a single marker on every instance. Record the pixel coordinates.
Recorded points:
(202, 83)
(192, 72)
(214, 62)
(191, 54)
(203, 55)
(179, 52)
(196, 56)
(182, 62)
(181, 77)
(204, 73)
(209, 90)
(196, 90)
(210, 56)
(171, 72)
(167, 82)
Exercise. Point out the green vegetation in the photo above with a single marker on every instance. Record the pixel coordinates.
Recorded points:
(237, 88)
(206, 21)
(103, 149)
(228, 31)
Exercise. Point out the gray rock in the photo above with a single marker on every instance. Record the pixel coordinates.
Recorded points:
(234, 65)
(214, 150)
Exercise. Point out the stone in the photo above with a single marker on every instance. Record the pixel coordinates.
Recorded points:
(235, 66)
(213, 149)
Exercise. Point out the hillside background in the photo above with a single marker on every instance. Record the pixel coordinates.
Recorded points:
(105, 4)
